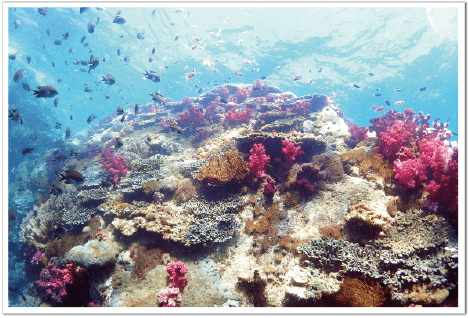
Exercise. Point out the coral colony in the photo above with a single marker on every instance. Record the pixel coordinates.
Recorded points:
(244, 196)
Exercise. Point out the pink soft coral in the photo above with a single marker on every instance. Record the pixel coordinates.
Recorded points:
(290, 152)
(116, 167)
(258, 160)
(54, 280)
(177, 271)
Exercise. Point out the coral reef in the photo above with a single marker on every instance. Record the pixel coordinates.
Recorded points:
(230, 168)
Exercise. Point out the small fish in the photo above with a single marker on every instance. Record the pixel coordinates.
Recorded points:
(120, 110)
(88, 89)
(371, 74)
(153, 50)
(71, 117)
(157, 97)
(378, 94)
(379, 155)
(65, 36)
(58, 159)
(14, 114)
(379, 109)
(176, 128)
(109, 79)
(398, 90)
(141, 36)
(378, 89)
(123, 118)
(118, 143)
(71, 175)
(48, 31)
(97, 20)
(45, 91)
(334, 94)
(373, 106)
(73, 152)
(246, 62)
(68, 132)
(42, 11)
(104, 59)
(200, 90)
(53, 63)
(93, 63)
(119, 20)
(118, 12)
(136, 109)
(190, 75)
(119, 52)
(150, 59)
(320, 70)
(239, 74)
(91, 27)
(17, 23)
(58, 42)
(171, 22)
(176, 37)
(221, 42)
(27, 150)
(297, 77)
(83, 38)
(83, 9)
(222, 100)
(263, 77)
(356, 86)
(399, 102)
(56, 102)
(179, 10)
(26, 87)
(107, 96)
(153, 76)
(12, 56)
(422, 89)
(58, 125)
(387, 102)
(126, 59)
(194, 47)
(29, 59)
(91, 118)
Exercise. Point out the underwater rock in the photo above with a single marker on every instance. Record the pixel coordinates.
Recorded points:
(285, 125)
(94, 252)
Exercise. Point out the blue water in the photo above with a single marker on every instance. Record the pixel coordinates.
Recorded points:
(405, 48)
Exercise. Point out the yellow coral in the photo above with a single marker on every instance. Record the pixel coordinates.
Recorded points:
(232, 167)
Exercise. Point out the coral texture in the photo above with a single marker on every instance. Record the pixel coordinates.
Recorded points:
(258, 160)
(290, 152)
(231, 168)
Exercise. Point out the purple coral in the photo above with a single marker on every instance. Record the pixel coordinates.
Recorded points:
(37, 257)
(177, 271)
(358, 133)
(306, 180)
(269, 188)
(258, 160)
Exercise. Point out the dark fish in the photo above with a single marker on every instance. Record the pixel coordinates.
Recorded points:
(71, 117)
(153, 50)
(166, 67)
(371, 74)
(378, 89)
(121, 35)
(88, 89)
(83, 70)
(119, 52)
(26, 87)
(56, 188)
(152, 76)
(176, 37)
(76, 62)
(45, 91)
(14, 114)
(18, 76)
(73, 152)
(107, 96)
(157, 97)
(136, 109)
(93, 63)
(320, 70)
(141, 36)
(104, 59)
(97, 20)
(68, 132)
(398, 90)
(387, 102)
(71, 175)
(84, 63)
(378, 94)
(83, 9)
(12, 56)
(83, 38)
(43, 46)
(90, 118)
(58, 125)
(109, 79)
(118, 143)
(66, 63)
(123, 118)
(118, 12)
(200, 90)
(48, 31)
(58, 42)
(59, 80)
(53, 63)
(42, 11)
(106, 183)
(17, 23)
(72, 50)
(29, 59)
(91, 27)
(263, 77)
(422, 89)
(356, 86)
(65, 36)
(119, 20)
(126, 59)
(150, 59)
(120, 110)
(27, 150)
(56, 102)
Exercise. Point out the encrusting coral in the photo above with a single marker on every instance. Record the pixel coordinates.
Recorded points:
(231, 168)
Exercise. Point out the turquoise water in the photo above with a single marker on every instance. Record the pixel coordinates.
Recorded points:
(332, 48)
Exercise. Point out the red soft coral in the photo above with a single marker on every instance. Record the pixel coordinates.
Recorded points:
(258, 160)
(290, 152)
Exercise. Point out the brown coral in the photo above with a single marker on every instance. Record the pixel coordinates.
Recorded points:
(185, 191)
(360, 292)
(331, 165)
(231, 168)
